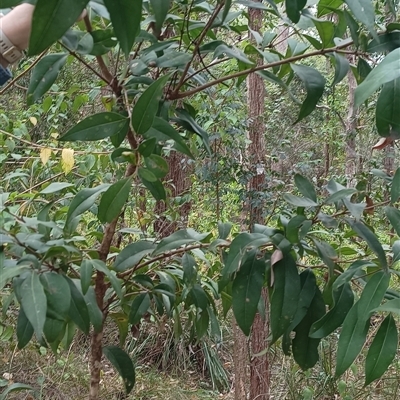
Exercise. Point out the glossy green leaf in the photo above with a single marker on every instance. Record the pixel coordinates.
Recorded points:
(165, 128)
(355, 268)
(123, 364)
(308, 287)
(34, 302)
(356, 323)
(386, 71)
(58, 293)
(246, 291)
(78, 311)
(293, 228)
(342, 67)
(8, 273)
(160, 10)
(340, 195)
(351, 340)
(178, 239)
(157, 165)
(224, 229)
(382, 350)
(132, 254)
(326, 31)
(81, 203)
(115, 282)
(238, 248)
(86, 272)
(395, 187)
(314, 83)
(343, 301)
(96, 127)
(373, 242)
(187, 122)
(139, 307)
(156, 188)
(53, 328)
(294, 9)
(24, 329)
(327, 6)
(306, 188)
(125, 17)
(145, 109)
(189, 267)
(44, 75)
(56, 187)
(51, 19)
(305, 348)
(146, 148)
(384, 43)
(198, 297)
(284, 297)
(299, 201)
(392, 306)
(202, 322)
(95, 314)
(114, 199)
(393, 215)
(364, 12)
(387, 114)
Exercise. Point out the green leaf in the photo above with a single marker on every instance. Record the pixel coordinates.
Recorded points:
(95, 314)
(86, 272)
(198, 297)
(343, 301)
(14, 387)
(132, 254)
(33, 302)
(363, 10)
(246, 291)
(306, 188)
(51, 19)
(387, 114)
(78, 311)
(384, 43)
(356, 323)
(351, 340)
(284, 297)
(187, 122)
(115, 282)
(299, 201)
(156, 188)
(114, 199)
(314, 83)
(81, 203)
(56, 187)
(342, 67)
(340, 195)
(392, 306)
(10, 272)
(53, 328)
(395, 187)
(393, 215)
(123, 364)
(157, 165)
(164, 127)
(353, 269)
(58, 293)
(294, 9)
(382, 351)
(386, 71)
(326, 31)
(44, 75)
(24, 329)
(239, 247)
(145, 109)
(327, 6)
(178, 239)
(373, 242)
(96, 127)
(224, 229)
(139, 307)
(160, 10)
(202, 322)
(305, 349)
(125, 16)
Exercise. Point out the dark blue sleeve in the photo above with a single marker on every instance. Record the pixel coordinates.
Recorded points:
(5, 75)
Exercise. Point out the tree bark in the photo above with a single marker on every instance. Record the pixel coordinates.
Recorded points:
(351, 131)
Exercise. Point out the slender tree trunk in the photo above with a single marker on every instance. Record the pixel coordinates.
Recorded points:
(240, 361)
(351, 130)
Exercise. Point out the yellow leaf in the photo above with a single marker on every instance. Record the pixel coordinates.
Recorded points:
(33, 120)
(67, 160)
(45, 155)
